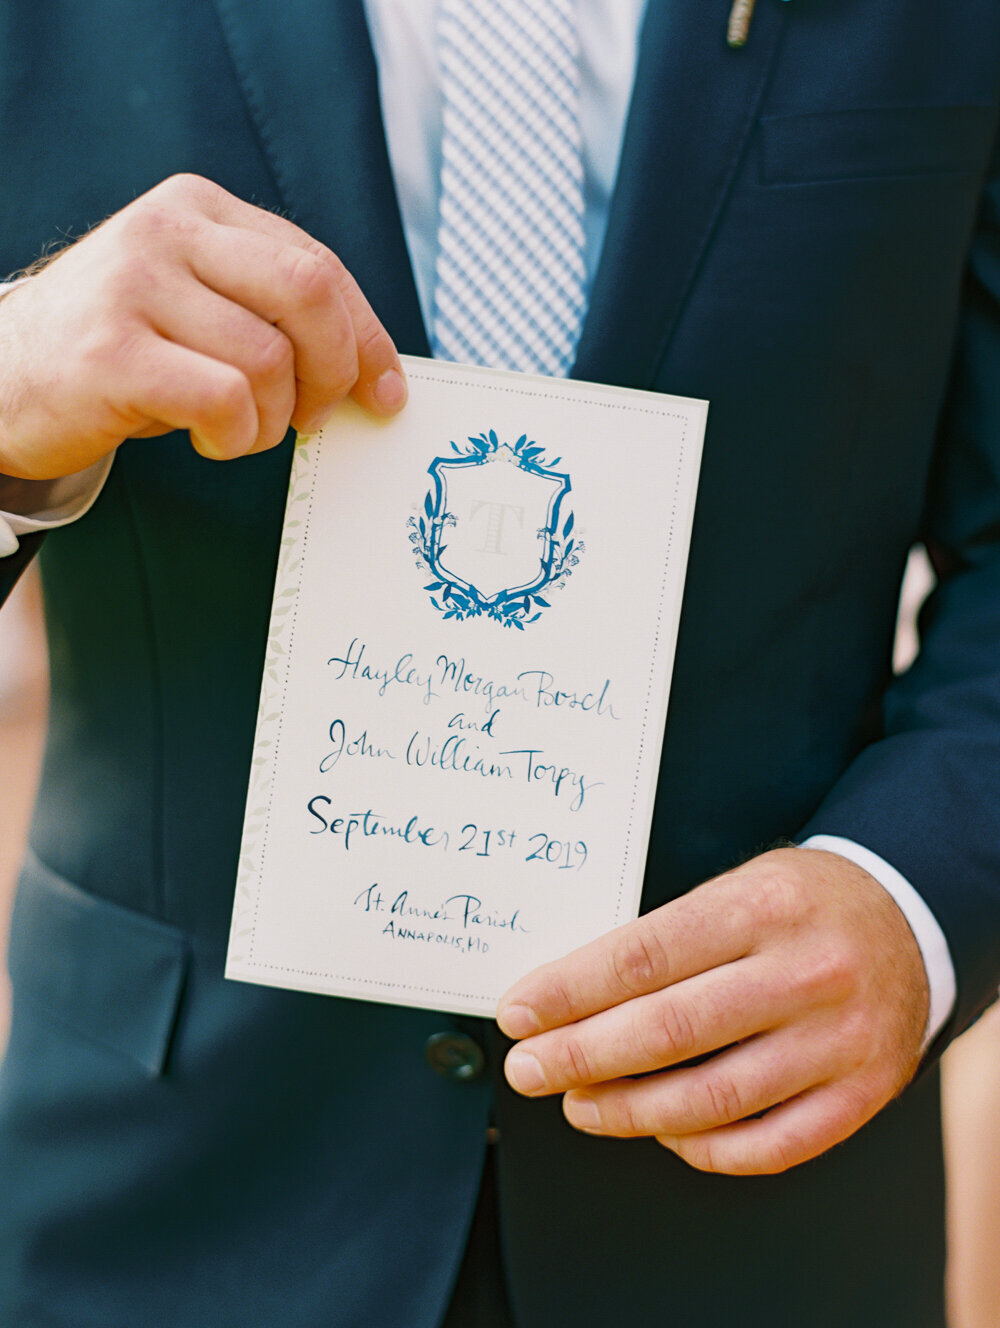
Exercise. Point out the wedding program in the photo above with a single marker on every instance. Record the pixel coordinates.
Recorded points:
(465, 686)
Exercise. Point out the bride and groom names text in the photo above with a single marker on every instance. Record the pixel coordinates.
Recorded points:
(458, 750)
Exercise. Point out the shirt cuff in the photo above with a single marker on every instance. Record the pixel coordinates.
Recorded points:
(924, 925)
(45, 504)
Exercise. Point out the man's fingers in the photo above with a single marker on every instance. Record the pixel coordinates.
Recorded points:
(276, 270)
(216, 327)
(737, 1082)
(187, 309)
(381, 384)
(339, 345)
(183, 389)
(839, 985)
(695, 1016)
(700, 931)
(791, 1133)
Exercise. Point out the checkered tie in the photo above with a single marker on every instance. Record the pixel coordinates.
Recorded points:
(510, 270)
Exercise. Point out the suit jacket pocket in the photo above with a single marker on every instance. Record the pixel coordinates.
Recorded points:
(880, 141)
(111, 975)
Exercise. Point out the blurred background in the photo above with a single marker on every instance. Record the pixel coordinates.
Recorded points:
(971, 1068)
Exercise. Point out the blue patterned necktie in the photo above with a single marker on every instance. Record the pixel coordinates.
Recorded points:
(510, 269)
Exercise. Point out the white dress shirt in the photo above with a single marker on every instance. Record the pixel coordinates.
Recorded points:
(403, 37)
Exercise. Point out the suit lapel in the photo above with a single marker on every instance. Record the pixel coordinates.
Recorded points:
(693, 106)
(310, 82)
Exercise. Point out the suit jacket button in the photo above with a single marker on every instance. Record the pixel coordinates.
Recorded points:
(455, 1056)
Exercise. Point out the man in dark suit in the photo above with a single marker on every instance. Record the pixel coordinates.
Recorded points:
(804, 231)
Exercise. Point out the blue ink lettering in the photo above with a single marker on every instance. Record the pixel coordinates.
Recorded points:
(455, 755)
(547, 695)
(360, 746)
(556, 775)
(402, 672)
(460, 722)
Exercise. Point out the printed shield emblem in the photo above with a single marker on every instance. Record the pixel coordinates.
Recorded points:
(495, 530)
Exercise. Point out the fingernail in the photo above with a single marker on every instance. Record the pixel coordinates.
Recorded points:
(524, 1072)
(519, 1021)
(391, 391)
(582, 1112)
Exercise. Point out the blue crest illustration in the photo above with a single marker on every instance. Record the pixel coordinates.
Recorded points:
(496, 531)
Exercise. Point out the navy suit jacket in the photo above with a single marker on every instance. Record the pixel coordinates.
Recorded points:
(805, 232)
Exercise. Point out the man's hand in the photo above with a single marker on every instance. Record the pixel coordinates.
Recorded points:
(797, 970)
(189, 309)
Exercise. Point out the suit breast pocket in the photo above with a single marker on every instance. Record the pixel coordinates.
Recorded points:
(877, 142)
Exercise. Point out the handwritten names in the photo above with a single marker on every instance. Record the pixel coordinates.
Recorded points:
(534, 687)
